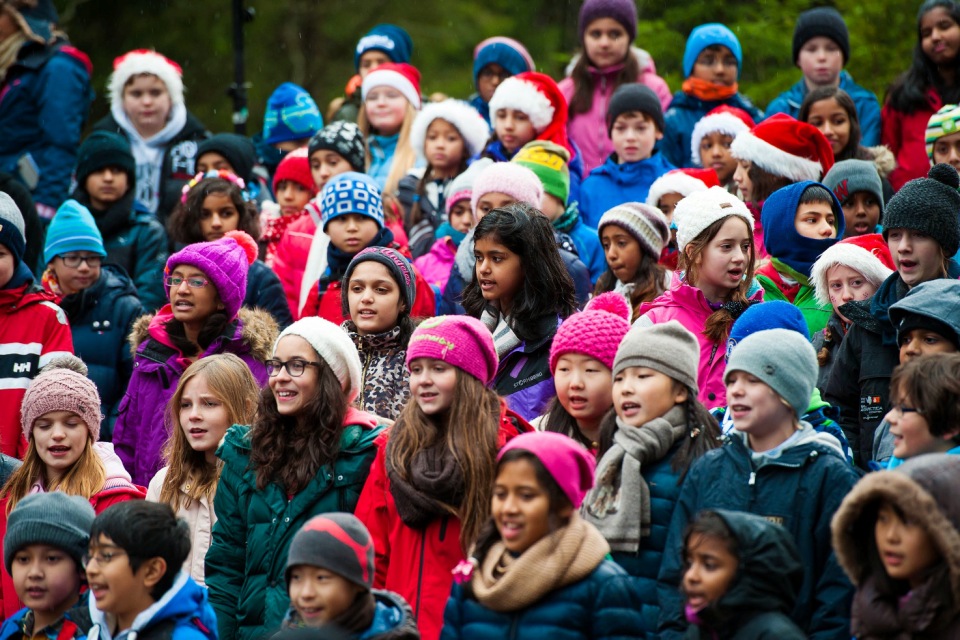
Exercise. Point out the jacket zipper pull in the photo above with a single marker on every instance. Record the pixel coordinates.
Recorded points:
(753, 478)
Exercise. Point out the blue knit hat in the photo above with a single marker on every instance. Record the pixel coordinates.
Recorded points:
(351, 192)
(389, 38)
(291, 115)
(506, 52)
(780, 231)
(707, 35)
(72, 229)
(775, 314)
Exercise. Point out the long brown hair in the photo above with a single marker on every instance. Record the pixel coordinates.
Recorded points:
(582, 100)
(763, 183)
(648, 282)
(403, 158)
(85, 478)
(470, 431)
(231, 382)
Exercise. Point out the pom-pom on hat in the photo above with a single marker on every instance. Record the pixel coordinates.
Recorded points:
(667, 347)
(774, 314)
(295, 167)
(634, 97)
(50, 518)
(847, 177)
(338, 542)
(724, 119)
(394, 41)
(461, 341)
(821, 21)
(464, 118)
(783, 146)
(291, 114)
(225, 262)
(708, 35)
(868, 255)
(351, 192)
(72, 229)
(508, 178)
(62, 385)
(141, 62)
(334, 347)
(595, 332)
(682, 181)
(538, 96)
(943, 123)
(699, 210)
(106, 149)
(569, 464)
(401, 76)
(928, 205)
(623, 11)
(399, 267)
(344, 138)
(549, 162)
(238, 150)
(644, 222)
(783, 360)
(506, 52)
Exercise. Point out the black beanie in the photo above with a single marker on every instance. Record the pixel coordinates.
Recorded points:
(634, 97)
(338, 542)
(105, 149)
(929, 205)
(912, 321)
(822, 21)
(238, 151)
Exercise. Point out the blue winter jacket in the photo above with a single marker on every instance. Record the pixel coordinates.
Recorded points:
(73, 625)
(612, 184)
(868, 109)
(682, 116)
(588, 246)
(265, 291)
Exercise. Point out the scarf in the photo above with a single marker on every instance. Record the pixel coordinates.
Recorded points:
(338, 260)
(504, 339)
(709, 91)
(507, 583)
(435, 487)
(619, 504)
(50, 282)
(274, 224)
(445, 230)
(921, 613)
(568, 219)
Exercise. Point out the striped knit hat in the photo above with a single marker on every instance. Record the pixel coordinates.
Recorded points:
(943, 123)
(645, 223)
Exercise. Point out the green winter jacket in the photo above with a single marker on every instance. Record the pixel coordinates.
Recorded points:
(248, 554)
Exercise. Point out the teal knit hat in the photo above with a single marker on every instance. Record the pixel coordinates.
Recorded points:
(72, 229)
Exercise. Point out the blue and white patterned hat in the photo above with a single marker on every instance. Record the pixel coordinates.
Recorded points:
(351, 192)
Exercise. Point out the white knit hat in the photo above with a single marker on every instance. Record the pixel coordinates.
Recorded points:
(848, 255)
(143, 61)
(334, 347)
(699, 210)
(673, 182)
(722, 122)
(515, 93)
(464, 118)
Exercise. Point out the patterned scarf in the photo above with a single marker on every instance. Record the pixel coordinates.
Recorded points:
(568, 219)
(504, 339)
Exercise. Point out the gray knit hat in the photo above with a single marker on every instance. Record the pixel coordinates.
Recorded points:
(928, 205)
(666, 347)
(783, 359)
(847, 177)
(338, 542)
(53, 518)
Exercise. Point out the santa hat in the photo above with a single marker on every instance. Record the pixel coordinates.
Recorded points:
(465, 119)
(399, 75)
(784, 146)
(143, 61)
(682, 181)
(868, 255)
(724, 119)
(537, 95)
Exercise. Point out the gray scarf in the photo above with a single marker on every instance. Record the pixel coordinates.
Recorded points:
(504, 339)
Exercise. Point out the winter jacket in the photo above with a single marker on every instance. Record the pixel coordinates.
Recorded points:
(200, 517)
(290, 259)
(44, 102)
(432, 209)
(799, 489)
(524, 378)
(682, 116)
(687, 305)
(905, 135)
(589, 130)
(386, 380)
(828, 348)
(8, 594)
(139, 433)
(435, 265)
(612, 184)
(248, 555)
(117, 487)
(264, 291)
(815, 314)
(101, 317)
(392, 619)
(74, 624)
(588, 246)
(868, 109)
(417, 564)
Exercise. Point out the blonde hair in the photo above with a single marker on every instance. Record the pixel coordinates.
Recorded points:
(85, 478)
(405, 156)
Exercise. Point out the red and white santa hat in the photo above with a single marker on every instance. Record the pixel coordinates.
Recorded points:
(464, 118)
(400, 76)
(537, 95)
(682, 181)
(868, 255)
(724, 119)
(784, 146)
(143, 61)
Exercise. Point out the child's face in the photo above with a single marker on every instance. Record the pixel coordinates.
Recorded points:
(118, 589)
(947, 150)
(861, 213)
(552, 207)
(80, 277)
(461, 218)
(47, 580)
(7, 265)
(493, 200)
(292, 197)
(213, 161)
(742, 177)
(633, 136)
(204, 418)
(521, 507)
(757, 410)
(319, 595)
(911, 431)
(668, 202)
(923, 342)
(499, 272)
(373, 297)
(60, 438)
(584, 388)
(513, 128)
(291, 393)
(146, 102)
(815, 220)
(605, 42)
(352, 232)
(905, 548)
(622, 252)
(489, 79)
(724, 260)
(716, 64)
(917, 256)
(325, 164)
(106, 186)
(217, 216)
(641, 394)
(821, 61)
(444, 147)
(372, 59)
(845, 285)
(386, 107)
(710, 570)
(432, 384)
(715, 154)
(193, 305)
(833, 122)
(939, 36)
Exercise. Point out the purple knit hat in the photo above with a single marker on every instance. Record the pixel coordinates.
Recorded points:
(508, 178)
(225, 262)
(623, 11)
(461, 341)
(570, 465)
(595, 332)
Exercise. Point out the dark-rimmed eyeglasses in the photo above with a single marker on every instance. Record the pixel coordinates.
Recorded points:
(294, 367)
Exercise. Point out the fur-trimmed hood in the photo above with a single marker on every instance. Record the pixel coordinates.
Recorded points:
(258, 329)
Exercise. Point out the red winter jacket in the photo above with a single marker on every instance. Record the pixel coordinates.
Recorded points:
(417, 564)
(290, 257)
(905, 135)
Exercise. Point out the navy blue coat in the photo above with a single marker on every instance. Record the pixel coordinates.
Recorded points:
(264, 290)
(682, 116)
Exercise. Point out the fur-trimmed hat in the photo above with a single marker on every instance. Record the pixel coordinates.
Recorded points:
(538, 96)
(724, 119)
(140, 62)
(464, 118)
(849, 253)
(682, 181)
(699, 210)
(401, 76)
(783, 146)
(334, 347)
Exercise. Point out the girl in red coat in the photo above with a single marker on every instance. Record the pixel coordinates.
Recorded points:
(429, 489)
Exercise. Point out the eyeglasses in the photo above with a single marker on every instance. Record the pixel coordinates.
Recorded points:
(102, 557)
(194, 283)
(903, 409)
(74, 261)
(294, 367)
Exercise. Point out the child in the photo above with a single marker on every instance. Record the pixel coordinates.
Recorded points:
(494, 60)
(147, 108)
(383, 43)
(633, 237)
(213, 393)
(774, 457)
(896, 536)
(717, 256)
(445, 135)
(922, 90)
(133, 238)
(740, 578)
(391, 99)
(205, 282)
(608, 60)
(634, 124)
(857, 186)
(943, 138)
(235, 154)
(538, 568)
(290, 119)
(330, 573)
(712, 62)
(133, 569)
(711, 140)
(99, 299)
(293, 187)
(46, 566)
(581, 358)
(669, 189)
(521, 292)
(35, 329)
(821, 50)
(660, 429)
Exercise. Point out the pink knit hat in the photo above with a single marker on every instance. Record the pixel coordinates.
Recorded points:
(461, 341)
(568, 463)
(225, 262)
(62, 385)
(508, 178)
(595, 332)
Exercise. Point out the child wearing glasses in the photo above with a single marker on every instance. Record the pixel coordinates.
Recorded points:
(205, 285)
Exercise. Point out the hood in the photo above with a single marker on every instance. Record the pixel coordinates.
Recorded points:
(806, 437)
(464, 261)
(780, 235)
(392, 618)
(644, 60)
(257, 328)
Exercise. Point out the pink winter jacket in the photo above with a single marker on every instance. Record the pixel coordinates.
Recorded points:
(435, 265)
(589, 130)
(687, 305)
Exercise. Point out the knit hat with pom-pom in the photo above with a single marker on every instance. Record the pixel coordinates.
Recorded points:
(62, 385)
(595, 332)
(928, 205)
(225, 262)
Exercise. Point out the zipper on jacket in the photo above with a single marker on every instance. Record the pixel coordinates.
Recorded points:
(423, 548)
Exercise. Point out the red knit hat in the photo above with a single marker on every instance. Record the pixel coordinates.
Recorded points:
(401, 76)
(537, 95)
(784, 146)
(295, 166)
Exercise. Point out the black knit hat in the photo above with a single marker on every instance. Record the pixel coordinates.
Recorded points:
(929, 205)
(634, 97)
(822, 21)
(338, 542)
(344, 138)
(52, 518)
(238, 151)
(105, 149)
